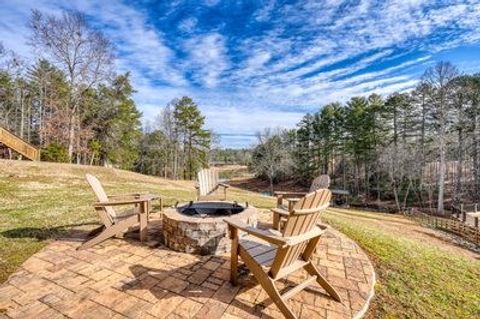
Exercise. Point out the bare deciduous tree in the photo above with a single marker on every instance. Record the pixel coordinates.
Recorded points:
(402, 166)
(439, 79)
(84, 54)
(270, 157)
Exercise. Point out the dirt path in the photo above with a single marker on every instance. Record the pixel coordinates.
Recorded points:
(408, 229)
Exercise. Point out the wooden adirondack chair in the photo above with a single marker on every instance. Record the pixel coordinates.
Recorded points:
(286, 251)
(322, 181)
(115, 224)
(209, 184)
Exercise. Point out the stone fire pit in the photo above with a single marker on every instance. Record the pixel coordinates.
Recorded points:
(198, 227)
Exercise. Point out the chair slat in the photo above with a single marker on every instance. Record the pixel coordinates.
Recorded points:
(260, 249)
(291, 256)
(109, 212)
(115, 224)
(208, 180)
(299, 224)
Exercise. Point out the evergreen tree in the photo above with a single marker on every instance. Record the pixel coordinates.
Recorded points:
(116, 122)
(195, 140)
(303, 154)
(154, 155)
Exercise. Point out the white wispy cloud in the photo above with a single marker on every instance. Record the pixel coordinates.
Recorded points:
(281, 61)
(208, 58)
(188, 24)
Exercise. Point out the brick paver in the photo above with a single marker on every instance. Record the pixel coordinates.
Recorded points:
(122, 278)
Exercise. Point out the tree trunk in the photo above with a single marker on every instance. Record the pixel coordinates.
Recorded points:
(441, 173)
(476, 160)
(459, 186)
(71, 135)
(270, 178)
(22, 115)
(407, 191)
(377, 182)
(395, 194)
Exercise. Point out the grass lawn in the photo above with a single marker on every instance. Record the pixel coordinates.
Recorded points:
(42, 201)
(416, 277)
(419, 275)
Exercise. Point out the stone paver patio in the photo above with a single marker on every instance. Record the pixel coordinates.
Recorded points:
(123, 279)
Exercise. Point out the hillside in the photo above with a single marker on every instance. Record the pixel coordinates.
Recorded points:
(420, 272)
(40, 201)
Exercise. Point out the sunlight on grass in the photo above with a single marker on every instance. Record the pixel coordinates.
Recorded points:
(42, 201)
(416, 279)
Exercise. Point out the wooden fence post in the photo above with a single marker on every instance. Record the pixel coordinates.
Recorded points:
(476, 218)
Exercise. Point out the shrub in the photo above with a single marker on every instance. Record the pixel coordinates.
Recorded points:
(54, 152)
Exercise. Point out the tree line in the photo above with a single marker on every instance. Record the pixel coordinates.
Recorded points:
(73, 104)
(176, 145)
(415, 148)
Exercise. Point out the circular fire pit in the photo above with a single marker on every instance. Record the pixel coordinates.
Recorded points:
(198, 227)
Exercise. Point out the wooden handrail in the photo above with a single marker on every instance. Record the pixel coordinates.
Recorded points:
(19, 145)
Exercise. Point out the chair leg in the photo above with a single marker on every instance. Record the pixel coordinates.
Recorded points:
(143, 220)
(234, 260)
(272, 291)
(276, 221)
(267, 283)
(108, 232)
(313, 271)
(279, 201)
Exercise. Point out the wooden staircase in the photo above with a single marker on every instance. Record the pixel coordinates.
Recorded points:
(19, 145)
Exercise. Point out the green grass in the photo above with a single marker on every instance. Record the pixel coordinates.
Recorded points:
(42, 201)
(416, 278)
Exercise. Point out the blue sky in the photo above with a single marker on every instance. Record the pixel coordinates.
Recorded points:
(256, 64)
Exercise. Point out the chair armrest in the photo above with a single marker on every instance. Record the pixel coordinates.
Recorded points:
(311, 210)
(142, 196)
(223, 185)
(125, 195)
(289, 194)
(121, 203)
(291, 201)
(323, 226)
(295, 240)
(265, 235)
(279, 211)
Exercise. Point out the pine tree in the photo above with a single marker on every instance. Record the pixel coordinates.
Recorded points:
(195, 140)
(116, 122)
(304, 152)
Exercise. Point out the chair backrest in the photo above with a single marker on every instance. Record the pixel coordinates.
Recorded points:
(322, 181)
(299, 223)
(101, 196)
(207, 181)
